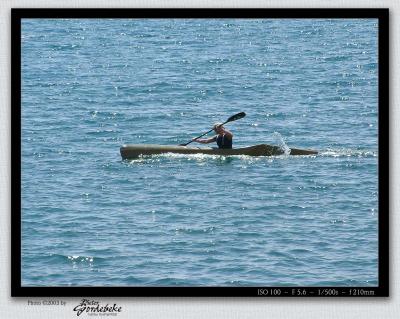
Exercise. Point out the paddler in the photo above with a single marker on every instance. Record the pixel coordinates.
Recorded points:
(223, 137)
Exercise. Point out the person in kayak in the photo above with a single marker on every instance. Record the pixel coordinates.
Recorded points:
(223, 138)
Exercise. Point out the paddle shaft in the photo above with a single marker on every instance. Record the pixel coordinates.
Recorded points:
(231, 119)
(197, 137)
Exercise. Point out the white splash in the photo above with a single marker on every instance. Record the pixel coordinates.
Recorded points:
(281, 143)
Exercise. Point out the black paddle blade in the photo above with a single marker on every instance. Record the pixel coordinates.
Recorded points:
(236, 117)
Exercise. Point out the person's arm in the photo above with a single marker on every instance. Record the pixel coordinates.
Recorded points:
(205, 140)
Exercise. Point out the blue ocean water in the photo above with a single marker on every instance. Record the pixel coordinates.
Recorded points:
(91, 219)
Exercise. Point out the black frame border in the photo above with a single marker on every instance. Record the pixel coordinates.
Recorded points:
(382, 290)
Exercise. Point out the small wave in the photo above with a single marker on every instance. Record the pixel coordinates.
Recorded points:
(300, 251)
(173, 281)
(63, 47)
(74, 259)
(81, 259)
(201, 159)
(105, 115)
(194, 231)
(348, 153)
(102, 132)
(188, 157)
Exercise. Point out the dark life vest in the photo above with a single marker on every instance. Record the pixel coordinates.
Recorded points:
(223, 141)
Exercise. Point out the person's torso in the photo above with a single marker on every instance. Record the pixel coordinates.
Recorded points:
(223, 141)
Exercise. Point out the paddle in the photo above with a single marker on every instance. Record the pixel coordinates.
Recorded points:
(231, 119)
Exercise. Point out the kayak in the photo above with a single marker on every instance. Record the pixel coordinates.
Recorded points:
(132, 151)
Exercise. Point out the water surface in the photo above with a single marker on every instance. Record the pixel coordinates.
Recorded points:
(91, 219)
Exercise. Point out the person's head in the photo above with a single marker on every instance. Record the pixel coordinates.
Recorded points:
(218, 128)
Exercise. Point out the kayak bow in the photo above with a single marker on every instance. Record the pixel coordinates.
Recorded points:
(136, 150)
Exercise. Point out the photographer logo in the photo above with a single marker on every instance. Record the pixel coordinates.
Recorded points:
(95, 308)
